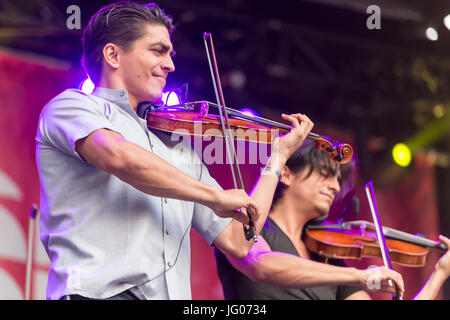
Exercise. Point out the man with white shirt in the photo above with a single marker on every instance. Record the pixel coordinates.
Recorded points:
(116, 204)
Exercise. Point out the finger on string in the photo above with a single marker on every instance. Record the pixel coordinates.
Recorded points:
(443, 240)
(301, 118)
(305, 122)
(292, 120)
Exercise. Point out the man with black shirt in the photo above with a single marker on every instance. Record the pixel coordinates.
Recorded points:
(279, 266)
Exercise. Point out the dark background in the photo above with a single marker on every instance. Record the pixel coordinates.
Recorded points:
(317, 57)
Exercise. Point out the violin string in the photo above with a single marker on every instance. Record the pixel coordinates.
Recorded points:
(261, 120)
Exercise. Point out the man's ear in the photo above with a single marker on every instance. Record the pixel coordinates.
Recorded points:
(286, 176)
(111, 55)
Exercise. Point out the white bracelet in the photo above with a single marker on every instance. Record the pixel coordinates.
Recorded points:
(273, 170)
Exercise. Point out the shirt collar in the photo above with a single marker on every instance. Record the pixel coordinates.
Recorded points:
(118, 96)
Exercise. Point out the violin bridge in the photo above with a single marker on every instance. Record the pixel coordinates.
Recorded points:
(362, 228)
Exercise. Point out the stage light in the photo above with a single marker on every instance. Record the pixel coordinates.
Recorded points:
(401, 154)
(432, 34)
(87, 86)
(447, 21)
(237, 79)
(439, 111)
(170, 98)
(249, 112)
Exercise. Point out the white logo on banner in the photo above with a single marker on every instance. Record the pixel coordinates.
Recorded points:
(13, 246)
(10, 290)
(12, 239)
(13, 243)
(8, 189)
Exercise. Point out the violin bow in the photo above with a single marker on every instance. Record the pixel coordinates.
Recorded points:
(380, 235)
(229, 144)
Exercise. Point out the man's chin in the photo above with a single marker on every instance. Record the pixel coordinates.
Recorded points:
(319, 216)
(157, 99)
(323, 211)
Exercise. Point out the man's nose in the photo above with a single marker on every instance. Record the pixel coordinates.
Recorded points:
(168, 65)
(334, 185)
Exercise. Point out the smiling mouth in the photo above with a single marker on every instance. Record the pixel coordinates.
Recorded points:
(328, 196)
(161, 78)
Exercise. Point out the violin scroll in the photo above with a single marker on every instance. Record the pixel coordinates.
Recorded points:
(342, 153)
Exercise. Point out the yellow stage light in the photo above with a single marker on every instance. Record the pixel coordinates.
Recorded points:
(401, 154)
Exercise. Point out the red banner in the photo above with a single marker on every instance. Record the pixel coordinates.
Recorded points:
(27, 83)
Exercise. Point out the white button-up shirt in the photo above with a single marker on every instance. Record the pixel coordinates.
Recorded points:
(102, 235)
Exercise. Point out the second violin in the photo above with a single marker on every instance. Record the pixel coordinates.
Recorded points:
(353, 240)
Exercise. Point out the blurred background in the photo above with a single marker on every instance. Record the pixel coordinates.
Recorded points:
(373, 88)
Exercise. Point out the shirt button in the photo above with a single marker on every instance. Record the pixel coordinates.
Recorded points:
(167, 232)
(122, 93)
(169, 264)
(165, 200)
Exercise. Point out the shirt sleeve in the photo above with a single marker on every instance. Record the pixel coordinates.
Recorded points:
(70, 116)
(205, 221)
(344, 291)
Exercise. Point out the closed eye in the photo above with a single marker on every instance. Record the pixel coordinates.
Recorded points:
(162, 48)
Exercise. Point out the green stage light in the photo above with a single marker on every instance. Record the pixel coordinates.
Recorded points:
(401, 154)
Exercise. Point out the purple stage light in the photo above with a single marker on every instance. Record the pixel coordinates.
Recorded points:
(87, 86)
(170, 98)
(249, 112)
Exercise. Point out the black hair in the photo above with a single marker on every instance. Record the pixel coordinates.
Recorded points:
(120, 23)
(307, 157)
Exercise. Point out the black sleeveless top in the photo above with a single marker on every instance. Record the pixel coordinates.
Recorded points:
(237, 286)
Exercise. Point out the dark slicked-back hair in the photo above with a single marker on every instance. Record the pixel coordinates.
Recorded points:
(307, 157)
(120, 23)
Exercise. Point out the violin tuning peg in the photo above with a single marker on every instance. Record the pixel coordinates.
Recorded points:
(331, 149)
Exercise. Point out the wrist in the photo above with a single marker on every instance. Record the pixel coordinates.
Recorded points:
(440, 274)
(359, 278)
(277, 162)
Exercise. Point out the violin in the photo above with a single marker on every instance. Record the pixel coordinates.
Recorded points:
(194, 118)
(392, 246)
(355, 240)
